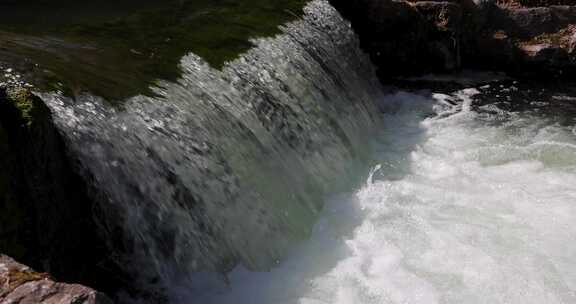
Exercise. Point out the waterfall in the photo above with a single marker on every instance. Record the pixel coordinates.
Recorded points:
(472, 201)
(227, 166)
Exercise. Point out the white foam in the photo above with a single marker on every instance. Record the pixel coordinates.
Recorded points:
(459, 210)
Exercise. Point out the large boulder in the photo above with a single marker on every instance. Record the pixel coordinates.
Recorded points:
(20, 284)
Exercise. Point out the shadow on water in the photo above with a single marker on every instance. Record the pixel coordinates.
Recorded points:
(118, 49)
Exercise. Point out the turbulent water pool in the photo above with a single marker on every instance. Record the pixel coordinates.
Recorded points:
(471, 201)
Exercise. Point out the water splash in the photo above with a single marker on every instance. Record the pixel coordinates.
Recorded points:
(467, 206)
(229, 165)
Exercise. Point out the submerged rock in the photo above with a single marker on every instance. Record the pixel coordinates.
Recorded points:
(21, 284)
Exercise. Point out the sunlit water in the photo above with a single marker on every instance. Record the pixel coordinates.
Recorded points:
(467, 205)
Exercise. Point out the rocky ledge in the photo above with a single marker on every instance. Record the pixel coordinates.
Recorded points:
(529, 38)
(525, 38)
(20, 284)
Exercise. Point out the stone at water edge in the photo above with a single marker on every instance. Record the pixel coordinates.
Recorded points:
(20, 284)
(572, 41)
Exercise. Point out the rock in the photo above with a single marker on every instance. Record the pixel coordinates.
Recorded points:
(444, 15)
(47, 220)
(509, 3)
(519, 36)
(445, 18)
(529, 22)
(407, 38)
(571, 46)
(20, 284)
(526, 41)
(492, 51)
(535, 3)
(552, 53)
(542, 52)
(524, 23)
(393, 33)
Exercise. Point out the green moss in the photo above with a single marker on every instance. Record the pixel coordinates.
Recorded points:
(17, 278)
(23, 101)
(121, 56)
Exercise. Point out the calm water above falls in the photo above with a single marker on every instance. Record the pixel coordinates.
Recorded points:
(470, 203)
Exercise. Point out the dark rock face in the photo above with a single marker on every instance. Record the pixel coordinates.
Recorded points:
(571, 46)
(553, 53)
(529, 22)
(446, 21)
(527, 42)
(444, 15)
(20, 284)
(46, 220)
(524, 38)
(412, 37)
(392, 32)
(534, 3)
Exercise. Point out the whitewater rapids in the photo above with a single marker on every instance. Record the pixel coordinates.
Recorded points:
(464, 205)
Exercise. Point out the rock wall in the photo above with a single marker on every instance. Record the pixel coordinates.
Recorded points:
(46, 220)
(399, 38)
(536, 3)
(524, 38)
(535, 42)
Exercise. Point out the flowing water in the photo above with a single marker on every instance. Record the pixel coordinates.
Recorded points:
(469, 203)
(226, 166)
(471, 198)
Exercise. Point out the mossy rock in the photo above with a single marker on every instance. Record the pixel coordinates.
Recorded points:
(28, 106)
(20, 277)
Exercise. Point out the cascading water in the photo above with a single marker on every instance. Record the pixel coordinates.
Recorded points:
(473, 201)
(231, 165)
